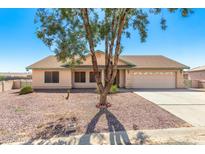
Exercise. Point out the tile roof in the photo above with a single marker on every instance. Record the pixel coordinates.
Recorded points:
(48, 62)
(154, 62)
(200, 68)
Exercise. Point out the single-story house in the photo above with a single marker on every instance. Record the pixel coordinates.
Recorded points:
(197, 73)
(134, 71)
(197, 76)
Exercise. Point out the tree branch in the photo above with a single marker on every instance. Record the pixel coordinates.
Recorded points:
(85, 18)
(113, 34)
(117, 49)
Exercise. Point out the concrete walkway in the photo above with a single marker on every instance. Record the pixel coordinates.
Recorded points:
(187, 104)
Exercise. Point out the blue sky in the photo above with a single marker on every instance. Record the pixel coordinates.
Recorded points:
(184, 39)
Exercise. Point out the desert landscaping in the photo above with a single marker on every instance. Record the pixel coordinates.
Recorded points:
(23, 116)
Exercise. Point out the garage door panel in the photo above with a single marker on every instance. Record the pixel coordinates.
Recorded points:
(154, 80)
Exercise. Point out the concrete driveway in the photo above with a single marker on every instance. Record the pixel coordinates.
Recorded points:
(187, 104)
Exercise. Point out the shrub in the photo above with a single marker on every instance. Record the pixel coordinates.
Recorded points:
(26, 90)
(18, 109)
(2, 78)
(113, 89)
(188, 83)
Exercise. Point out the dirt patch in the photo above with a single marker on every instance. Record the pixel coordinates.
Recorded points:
(60, 128)
(21, 116)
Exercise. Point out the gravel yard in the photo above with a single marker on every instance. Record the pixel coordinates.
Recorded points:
(21, 115)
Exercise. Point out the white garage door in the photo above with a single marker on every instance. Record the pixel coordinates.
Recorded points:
(154, 79)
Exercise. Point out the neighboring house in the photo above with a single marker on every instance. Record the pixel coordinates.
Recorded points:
(133, 72)
(197, 73)
(197, 76)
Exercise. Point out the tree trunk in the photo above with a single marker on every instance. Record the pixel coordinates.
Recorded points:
(111, 69)
(117, 51)
(91, 45)
(103, 99)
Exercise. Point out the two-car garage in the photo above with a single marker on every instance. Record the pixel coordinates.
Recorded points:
(151, 79)
(154, 71)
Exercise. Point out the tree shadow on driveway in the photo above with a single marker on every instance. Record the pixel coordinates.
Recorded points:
(117, 132)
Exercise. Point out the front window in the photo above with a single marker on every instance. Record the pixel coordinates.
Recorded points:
(92, 76)
(52, 77)
(79, 76)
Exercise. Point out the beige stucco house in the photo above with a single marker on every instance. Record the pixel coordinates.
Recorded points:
(133, 72)
(197, 76)
(197, 73)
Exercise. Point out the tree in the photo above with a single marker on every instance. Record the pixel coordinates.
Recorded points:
(73, 33)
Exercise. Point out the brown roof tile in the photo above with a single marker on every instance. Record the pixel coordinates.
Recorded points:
(51, 62)
(153, 61)
(200, 68)
(48, 62)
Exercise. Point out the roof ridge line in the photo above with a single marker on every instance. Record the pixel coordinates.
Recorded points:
(176, 61)
(198, 68)
(28, 67)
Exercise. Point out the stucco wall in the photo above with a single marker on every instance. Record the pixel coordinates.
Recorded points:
(67, 80)
(200, 75)
(130, 83)
(179, 79)
(202, 84)
(194, 83)
(122, 78)
(64, 80)
(17, 84)
(6, 85)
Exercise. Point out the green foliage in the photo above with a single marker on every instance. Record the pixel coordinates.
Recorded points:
(113, 89)
(19, 109)
(26, 90)
(163, 23)
(188, 83)
(62, 30)
(185, 12)
(2, 78)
